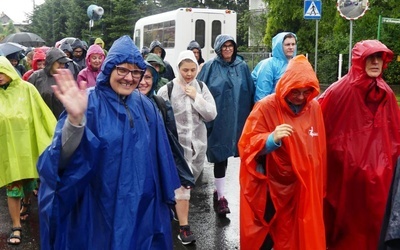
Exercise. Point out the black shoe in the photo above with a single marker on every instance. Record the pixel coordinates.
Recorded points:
(186, 236)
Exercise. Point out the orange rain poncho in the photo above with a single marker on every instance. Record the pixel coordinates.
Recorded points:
(363, 147)
(295, 172)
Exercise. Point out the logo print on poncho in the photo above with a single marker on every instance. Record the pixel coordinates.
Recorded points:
(312, 133)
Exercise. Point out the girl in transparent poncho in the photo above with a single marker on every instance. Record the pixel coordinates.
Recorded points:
(193, 105)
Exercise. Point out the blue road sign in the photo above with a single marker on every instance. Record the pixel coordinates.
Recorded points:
(312, 9)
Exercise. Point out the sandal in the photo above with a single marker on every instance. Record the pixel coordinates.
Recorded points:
(13, 236)
(35, 192)
(25, 215)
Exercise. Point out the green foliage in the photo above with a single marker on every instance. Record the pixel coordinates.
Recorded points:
(257, 22)
(7, 30)
(334, 33)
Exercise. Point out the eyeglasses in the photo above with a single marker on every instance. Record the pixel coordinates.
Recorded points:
(226, 47)
(147, 78)
(297, 93)
(136, 73)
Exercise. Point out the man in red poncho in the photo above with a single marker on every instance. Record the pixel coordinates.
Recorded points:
(362, 122)
(283, 165)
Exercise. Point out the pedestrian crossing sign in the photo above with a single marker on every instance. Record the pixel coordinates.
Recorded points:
(312, 9)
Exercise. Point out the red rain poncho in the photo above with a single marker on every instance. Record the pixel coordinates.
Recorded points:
(295, 172)
(363, 147)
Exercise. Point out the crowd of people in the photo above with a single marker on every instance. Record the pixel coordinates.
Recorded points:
(116, 139)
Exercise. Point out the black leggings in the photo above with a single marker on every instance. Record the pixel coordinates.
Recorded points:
(220, 169)
(268, 215)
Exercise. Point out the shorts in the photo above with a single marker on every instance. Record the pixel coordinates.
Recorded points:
(18, 188)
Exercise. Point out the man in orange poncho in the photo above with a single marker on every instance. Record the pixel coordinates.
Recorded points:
(362, 122)
(283, 164)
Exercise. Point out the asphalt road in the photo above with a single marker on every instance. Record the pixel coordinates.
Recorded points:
(211, 231)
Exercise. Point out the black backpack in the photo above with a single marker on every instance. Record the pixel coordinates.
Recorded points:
(161, 106)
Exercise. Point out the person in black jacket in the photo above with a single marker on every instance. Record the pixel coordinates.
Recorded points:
(79, 53)
(156, 48)
(43, 79)
(14, 59)
(195, 47)
(147, 87)
(72, 65)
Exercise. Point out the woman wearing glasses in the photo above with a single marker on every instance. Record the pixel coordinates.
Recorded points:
(228, 78)
(108, 177)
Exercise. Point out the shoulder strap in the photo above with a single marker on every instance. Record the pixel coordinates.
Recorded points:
(170, 85)
(201, 85)
(161, 106)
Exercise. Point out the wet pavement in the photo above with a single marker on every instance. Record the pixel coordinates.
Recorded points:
(212, 232)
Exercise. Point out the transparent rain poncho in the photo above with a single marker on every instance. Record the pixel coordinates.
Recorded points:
(190, 116)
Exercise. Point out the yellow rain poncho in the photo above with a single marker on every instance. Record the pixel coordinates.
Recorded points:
(26, 127)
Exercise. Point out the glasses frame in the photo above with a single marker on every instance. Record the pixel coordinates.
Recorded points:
(297, 93)
(150, 78)
(226, 47)
(141, 72)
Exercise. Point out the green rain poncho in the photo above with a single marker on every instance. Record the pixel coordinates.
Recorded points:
(26, 127)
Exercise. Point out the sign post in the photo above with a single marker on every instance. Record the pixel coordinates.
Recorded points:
(385, 20)
(313, 10)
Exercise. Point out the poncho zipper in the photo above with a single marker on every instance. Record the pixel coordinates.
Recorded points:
(129, 114)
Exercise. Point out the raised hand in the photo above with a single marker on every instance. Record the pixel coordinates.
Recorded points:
(281, 131)
(73, 97)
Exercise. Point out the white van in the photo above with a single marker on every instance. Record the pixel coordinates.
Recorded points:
(175, 29)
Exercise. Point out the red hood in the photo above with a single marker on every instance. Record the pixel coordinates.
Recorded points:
(39, 55)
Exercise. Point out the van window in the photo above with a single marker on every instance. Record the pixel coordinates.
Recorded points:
(163, 32)
(169, 34)
(137, 38)
(200, 32)
(216, 30)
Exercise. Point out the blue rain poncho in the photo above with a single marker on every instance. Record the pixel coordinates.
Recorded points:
(231, 85)
(267, 72)
(115, 190)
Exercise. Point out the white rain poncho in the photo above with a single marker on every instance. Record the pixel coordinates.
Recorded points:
(190, 116)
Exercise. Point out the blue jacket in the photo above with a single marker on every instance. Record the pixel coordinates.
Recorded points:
(267, 72)
(115, 191)
(231, 85)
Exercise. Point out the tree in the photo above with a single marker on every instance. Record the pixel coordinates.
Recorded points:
(10, 28)
(286, 15)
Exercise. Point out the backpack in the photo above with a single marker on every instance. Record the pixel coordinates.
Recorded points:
(161, 106)
(170, 85)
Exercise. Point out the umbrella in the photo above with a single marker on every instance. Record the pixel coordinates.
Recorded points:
(69, 40)
(25, 38)
(9, 48)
